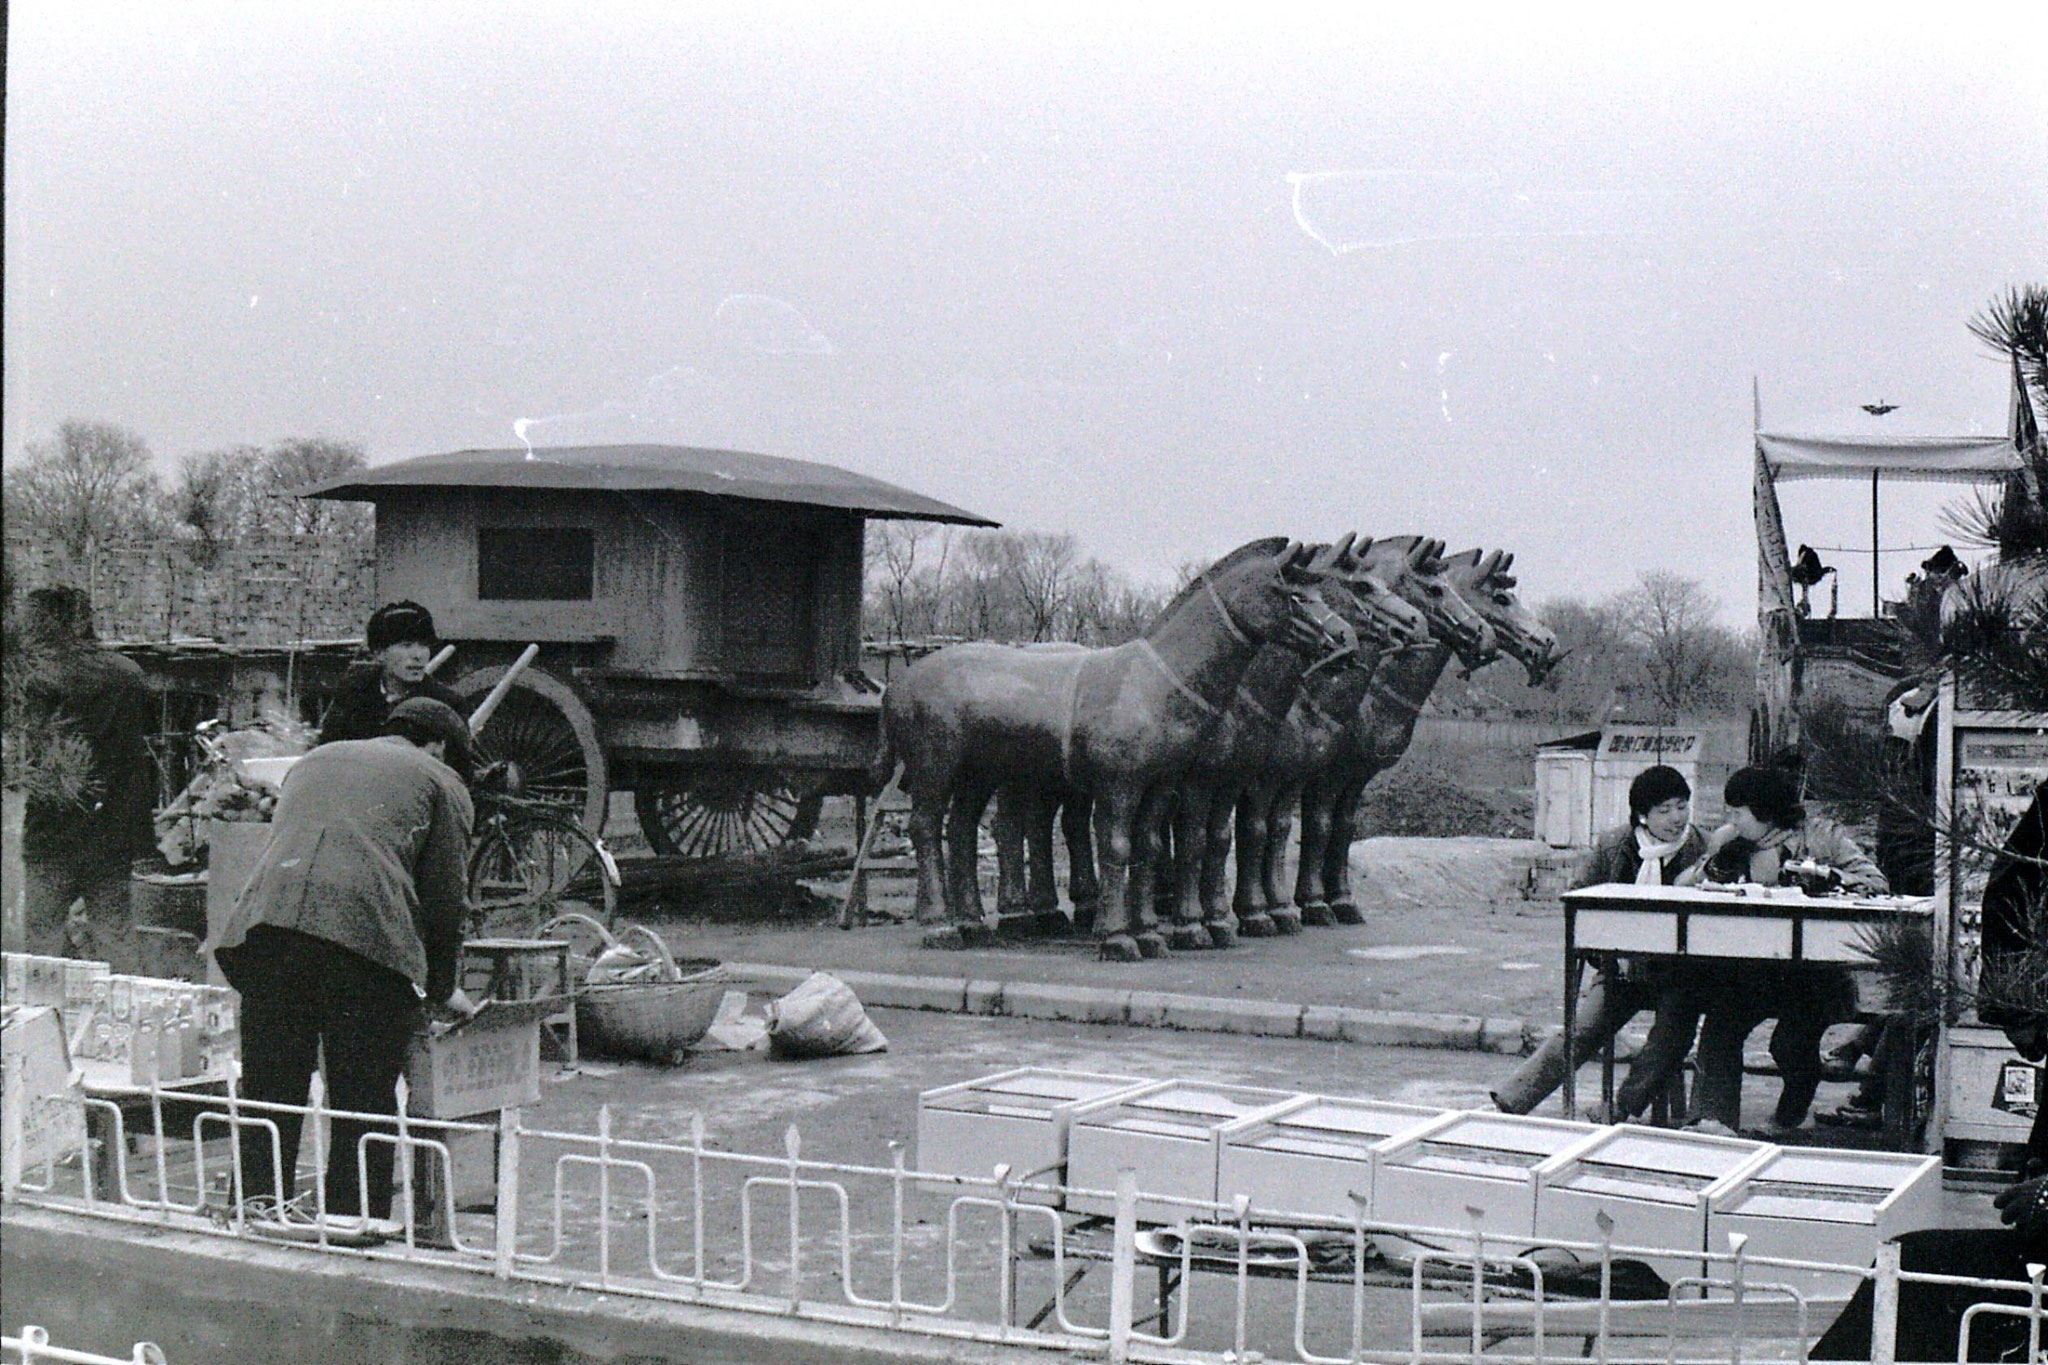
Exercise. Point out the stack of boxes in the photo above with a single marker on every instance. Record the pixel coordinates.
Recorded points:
(136, 1029)
(1530, 1181)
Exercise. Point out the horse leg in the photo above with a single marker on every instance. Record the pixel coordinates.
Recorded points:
(1190, 842)
(1114, 814)
(1254, 916)
(1280, 802)
(1147, 849)
(1315, 839)
(1041, 890)
(1083, 888)
(1344, 832)
(1012, 819)
(1287, 917)
(927, 824)
(1217, 920)
(963, 858)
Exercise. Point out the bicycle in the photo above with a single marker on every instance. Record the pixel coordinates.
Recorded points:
(531, 861)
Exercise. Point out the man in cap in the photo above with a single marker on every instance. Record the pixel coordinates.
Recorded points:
(351, 919)
(85, 709)
(401, 641)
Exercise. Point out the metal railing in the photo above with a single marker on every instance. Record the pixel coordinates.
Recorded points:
(33, 1347)
(895, 1248)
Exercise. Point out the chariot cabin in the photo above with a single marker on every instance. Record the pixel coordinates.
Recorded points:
(703, 606)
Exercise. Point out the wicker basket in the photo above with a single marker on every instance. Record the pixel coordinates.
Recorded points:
(654, 1021)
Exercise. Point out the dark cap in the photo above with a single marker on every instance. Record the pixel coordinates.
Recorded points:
(423, 720)
(400, 623)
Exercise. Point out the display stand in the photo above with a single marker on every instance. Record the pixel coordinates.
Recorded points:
(1985, 1093)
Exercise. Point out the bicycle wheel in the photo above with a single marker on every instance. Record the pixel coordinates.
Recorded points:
(526, 870)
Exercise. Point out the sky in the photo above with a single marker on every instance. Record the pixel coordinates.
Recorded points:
(1166, 277)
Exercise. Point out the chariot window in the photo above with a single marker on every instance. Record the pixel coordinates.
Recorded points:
(535, 563)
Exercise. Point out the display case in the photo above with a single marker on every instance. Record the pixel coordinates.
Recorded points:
(1813, 1204)
(1168, 1134)
(1438, 1176)
(1017, 1118)
(1654, 1184)
(1310, 1156)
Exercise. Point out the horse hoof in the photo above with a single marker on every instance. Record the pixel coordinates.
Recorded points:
(1084, 913)
(948, 939)
(1286, 922)
(1221, 935)
(975, 934)
(1153, 944)
(1017, 926)
(1188, 937)
(1318, 914)
(1256, 925)
(1052, 924)
(1344, 912)
(1119, 948)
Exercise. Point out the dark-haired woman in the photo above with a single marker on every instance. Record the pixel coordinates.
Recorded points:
(1767, 828)
(1656, 845)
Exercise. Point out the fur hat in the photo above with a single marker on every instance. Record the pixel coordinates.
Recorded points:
(400, 623)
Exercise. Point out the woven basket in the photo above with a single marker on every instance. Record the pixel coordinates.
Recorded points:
(654, 1021)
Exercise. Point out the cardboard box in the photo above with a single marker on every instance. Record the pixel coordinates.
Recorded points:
(29, 980)
(1310, 1156)
(1817, 1204)
(1168, 1134)
(1436, 1176)
(1017, 1117)
(42, 1117)
(1654, 1183)
(488, 1062)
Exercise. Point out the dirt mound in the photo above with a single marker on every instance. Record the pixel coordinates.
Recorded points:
(1440, 873)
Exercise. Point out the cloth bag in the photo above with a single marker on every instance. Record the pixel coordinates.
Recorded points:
(822, 1017)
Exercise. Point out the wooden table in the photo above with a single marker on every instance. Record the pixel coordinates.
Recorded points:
(1739, 922)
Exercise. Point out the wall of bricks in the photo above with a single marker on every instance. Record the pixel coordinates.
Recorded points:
(259, 592)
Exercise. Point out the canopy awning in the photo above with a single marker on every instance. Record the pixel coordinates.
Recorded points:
(1938, 459)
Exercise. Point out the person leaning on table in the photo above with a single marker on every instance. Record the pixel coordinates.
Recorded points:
(1767, 828)
(1656, 845)
(351, 918)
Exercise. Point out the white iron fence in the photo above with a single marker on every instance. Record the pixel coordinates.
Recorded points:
(994, 1260)
(33, 1347)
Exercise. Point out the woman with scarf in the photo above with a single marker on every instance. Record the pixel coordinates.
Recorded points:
(1655, 847)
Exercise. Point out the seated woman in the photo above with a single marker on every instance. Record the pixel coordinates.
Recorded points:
(1656, 845)
(1768, 829)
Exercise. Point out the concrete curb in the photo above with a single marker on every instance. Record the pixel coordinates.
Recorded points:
(1161, 1009)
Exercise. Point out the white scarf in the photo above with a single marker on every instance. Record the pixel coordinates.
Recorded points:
(1653, 854)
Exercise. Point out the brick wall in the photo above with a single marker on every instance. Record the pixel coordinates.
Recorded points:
(259, 592)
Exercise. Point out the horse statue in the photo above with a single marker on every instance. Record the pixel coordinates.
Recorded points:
(1377, 732)
(1414, 568)
(972, 717)
(1234, 750)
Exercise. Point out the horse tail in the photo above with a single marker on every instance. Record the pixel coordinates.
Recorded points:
(883, 766)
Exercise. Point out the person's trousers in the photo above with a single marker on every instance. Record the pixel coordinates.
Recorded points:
(302, 997)
(50, 884)
(1803, 1017)
(1931, 1315)
(1677, 1019)
(1605, 1007)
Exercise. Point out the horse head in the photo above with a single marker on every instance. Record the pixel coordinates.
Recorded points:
(1484, 580)
(1381, 617)
(1413, 567)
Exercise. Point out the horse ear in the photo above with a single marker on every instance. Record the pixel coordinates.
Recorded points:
(1491, 565)
(1359, 545)
(1418, 553)
(1342, 557)
(1321, 558)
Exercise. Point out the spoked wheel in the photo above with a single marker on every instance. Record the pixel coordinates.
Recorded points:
(527, 870)
(548, 736)
(716, 813)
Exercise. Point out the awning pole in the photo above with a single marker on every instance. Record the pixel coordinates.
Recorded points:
(1875, 607)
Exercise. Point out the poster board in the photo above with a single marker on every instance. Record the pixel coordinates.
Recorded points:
(1985, 1094)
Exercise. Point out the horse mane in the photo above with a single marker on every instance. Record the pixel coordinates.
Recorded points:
(1265, 548)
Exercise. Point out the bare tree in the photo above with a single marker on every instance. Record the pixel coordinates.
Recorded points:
(89, 485)
(299, 462)
(1684, 651)
(1039, 567)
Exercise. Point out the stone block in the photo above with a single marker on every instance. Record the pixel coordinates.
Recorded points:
(885, 990)
(1079, 1004)
(1403, 1028)
(985, 997)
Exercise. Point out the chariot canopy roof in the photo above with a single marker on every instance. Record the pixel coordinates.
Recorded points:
(1946, 459)
(649, 468)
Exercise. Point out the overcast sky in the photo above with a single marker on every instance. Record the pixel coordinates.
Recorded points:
(1166, 280)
